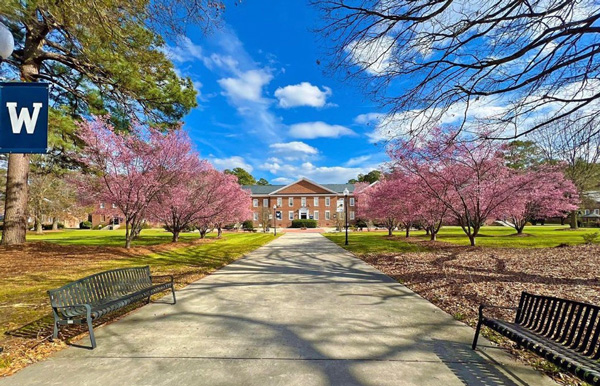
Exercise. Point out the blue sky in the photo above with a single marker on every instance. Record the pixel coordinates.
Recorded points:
(265, 104)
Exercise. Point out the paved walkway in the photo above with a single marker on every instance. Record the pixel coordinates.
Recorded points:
(299, 311)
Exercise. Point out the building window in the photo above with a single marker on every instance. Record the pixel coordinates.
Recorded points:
(352, 215)
(255, 216)
(303, 202)
(101, 205)
(327, 215)
(279, 202)
(327, 201)
(266, 202)
(291, 214)
(114, 206)
(316, 201)
(597, 211)
(351, 201)
(587, 211)
(291, 201)
(255, 203)
(316, 214)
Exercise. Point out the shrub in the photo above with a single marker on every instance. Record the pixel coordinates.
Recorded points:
(85, 225)
(248, 224)
(48, 227)
(590, 238)
(304, 223)
(360, 223)
(229, 226)
(146, 225)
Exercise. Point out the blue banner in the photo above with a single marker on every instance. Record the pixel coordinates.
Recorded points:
(23, 117)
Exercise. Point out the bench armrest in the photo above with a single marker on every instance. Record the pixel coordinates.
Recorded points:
(170, 277)
(88, 309)
(482, 306)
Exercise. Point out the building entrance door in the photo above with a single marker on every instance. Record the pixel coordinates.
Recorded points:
(303, 214)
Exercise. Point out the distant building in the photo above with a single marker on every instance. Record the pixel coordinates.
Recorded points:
(302, 199)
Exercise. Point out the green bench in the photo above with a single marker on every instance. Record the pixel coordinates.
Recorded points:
(87, 299)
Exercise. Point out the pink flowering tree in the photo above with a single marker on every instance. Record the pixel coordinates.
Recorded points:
(545, 192)
(469, 178)
(132, 170)
(389, 202)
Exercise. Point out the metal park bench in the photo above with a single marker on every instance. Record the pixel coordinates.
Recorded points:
(87, 299)
(562, 331)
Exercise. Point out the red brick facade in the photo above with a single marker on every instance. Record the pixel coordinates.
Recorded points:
(301, 199)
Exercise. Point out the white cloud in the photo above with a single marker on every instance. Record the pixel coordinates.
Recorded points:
(231, 162)
(358, 160)
(303, 94)
(184, 51)
(282, 180)
(375, 56)
(292, 151)
(247, 86)
(311, 130)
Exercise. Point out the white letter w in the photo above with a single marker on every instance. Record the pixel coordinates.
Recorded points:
(24, 117)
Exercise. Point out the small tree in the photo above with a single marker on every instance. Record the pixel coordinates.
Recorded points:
(132, 170)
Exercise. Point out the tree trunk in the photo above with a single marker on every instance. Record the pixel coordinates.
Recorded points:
(38, 225)
(472, 240)
(219, 232)
(203, 233)
(54, 224)
(175, 236)
(15, 207)
(127, 235)
(562, 220)
(427, 231)
(408, 231)
(433, 236)
(573, 219)
(390, 230)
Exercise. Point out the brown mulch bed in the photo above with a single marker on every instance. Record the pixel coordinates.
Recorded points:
(458, 279)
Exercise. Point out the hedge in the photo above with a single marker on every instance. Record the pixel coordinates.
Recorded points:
(304, 223)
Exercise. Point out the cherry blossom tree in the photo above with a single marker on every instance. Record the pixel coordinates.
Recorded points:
(132, 170)
(468, 177)
(389, 201)
(545, 192)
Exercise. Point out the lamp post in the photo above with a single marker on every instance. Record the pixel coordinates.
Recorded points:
(275, 219)
(346, 192)
(7, 43)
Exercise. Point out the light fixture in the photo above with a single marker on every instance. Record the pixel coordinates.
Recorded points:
(7, 42)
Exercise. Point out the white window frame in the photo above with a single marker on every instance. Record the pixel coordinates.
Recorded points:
(597, 211)
(290, 201)
(291, 215)
(315, 214)
(587, 211)
(327, 215)
(101, 205)
(327, 201)
(255, 202)
(266, 202)
(114, 206)
(351, 201)
(279, 202)
(303, 202)
(351, 215)
(255, 216)
(316, 201)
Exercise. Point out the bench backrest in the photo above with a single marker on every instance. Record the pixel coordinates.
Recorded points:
(573, 324)
(104, 285)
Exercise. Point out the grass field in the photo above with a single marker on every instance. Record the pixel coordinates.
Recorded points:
(546, 236)
(28, 272)
(114, 238)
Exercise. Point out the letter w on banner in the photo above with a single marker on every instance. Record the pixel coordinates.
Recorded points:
(23, 106)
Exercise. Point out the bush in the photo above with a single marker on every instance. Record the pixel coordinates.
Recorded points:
(248, 225)
(360, 223)
(146, 225)
(304, 223)
(590, 238)
(48, 227)
(85, 225)
(229, 227)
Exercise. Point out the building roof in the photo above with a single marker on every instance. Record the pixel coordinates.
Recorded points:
(268, 189)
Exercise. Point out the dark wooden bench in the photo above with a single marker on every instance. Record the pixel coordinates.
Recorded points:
(87, 299)
(561, 331)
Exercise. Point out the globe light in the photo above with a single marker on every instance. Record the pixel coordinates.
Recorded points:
(7, 43)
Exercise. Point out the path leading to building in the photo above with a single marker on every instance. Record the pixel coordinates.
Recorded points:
(299, 311)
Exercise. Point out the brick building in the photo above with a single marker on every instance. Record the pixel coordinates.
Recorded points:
(302, 199)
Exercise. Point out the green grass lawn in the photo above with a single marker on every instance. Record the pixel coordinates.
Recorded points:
(372, 242)
(107, 238)
(23, 297)
(490, 236)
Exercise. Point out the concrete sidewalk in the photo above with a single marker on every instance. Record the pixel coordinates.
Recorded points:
(299, 311)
